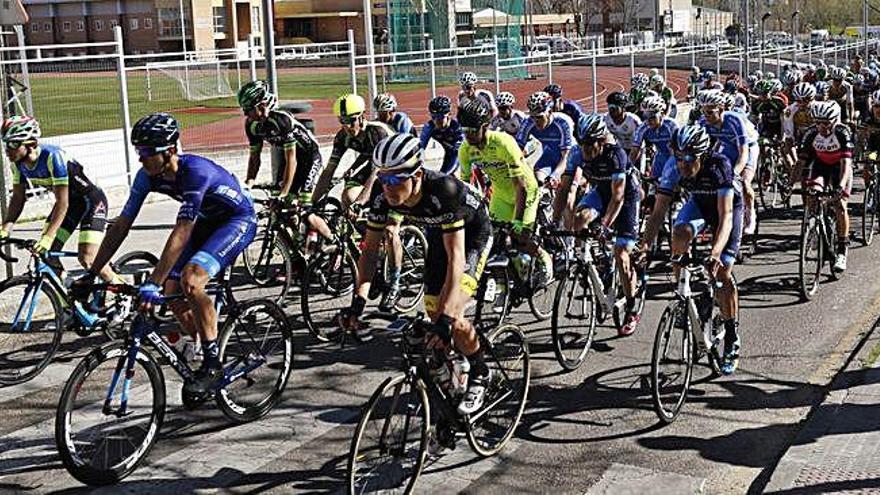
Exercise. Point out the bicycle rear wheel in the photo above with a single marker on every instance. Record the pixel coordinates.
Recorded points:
(31, 320)
(268, 266)
(390, 443)
(507, 356)
(256, 345)
(811, 258)
(671, 363)
(97, 446)
(869, 212)
(329, 278)
(412, 271)
(573, 321)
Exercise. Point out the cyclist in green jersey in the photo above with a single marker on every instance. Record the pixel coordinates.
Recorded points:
(514, 197)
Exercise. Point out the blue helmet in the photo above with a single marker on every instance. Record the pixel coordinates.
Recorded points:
(591, 127)
(691, 139)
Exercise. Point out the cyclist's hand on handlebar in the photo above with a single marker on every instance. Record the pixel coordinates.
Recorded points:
(440, 333)
(44, 244)
(713, 264)
(151, 295)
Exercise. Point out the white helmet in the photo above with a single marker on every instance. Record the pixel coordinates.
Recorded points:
(654, 104)
(825, 110)
(713, 98)
(504, 99)
(804, 91)
(657, 80)
(399, 153)
(384, 102)
(467, 79)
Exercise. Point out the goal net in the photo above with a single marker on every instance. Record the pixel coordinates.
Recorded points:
(197, 80)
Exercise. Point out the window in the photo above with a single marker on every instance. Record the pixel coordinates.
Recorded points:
(113, 23)
(80, 26)
(66, 26)
(219, 20)
(35, 27)
(133, 23)
(99, 25)
(148, 23)
(463, 20)
(256, 26)
(47, 27)
(169, 22)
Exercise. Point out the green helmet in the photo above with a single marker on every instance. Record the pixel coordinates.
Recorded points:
(255, 92)
(21, 129)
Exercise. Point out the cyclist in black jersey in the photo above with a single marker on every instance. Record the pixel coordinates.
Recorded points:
(769, 109)
(459, 236)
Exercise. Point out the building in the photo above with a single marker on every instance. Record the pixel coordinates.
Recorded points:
(149, 26)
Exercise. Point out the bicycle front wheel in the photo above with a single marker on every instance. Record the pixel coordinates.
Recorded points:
(507, 356)
(412, 270)
(31, 320)
(573, 322)
(391, 440)
(256, 347)
(268, 266)
(671, 363)
(99, 444)
(869, 212)
(326, 289)
(811, 258)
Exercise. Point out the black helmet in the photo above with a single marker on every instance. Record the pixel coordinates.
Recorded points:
(440, 105)
(473, 113)
(617, 98)
(553, 90)
(158, 130)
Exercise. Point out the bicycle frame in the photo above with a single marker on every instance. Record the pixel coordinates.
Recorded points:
(684, 293)
(605, 295)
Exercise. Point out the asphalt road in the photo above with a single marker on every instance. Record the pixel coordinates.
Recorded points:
(592, 430)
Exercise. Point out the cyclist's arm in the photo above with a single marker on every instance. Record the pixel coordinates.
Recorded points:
(725, 222)
(563, 161)
(323, 185)
(173, 248)
(519, 184)
(743, 158)
(618, 187)
(289, 170)
(116, 234)
(454, 244)
(364, 195)
(656, 219)
(255, 148)
(16, 205)
(425, 136)
(62, 201)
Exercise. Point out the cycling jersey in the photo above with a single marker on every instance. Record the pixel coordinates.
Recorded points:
(572, 109)
(449, 137)
(711, 85)
(873, 130)
(658, 137)
(54, 167)
(843, 94)
(510, 125)
(823, 156)
(735, 131)
(795, 121)
(769, 111)
(481, 94)
(502, 161)
(624, 132)
(402, 124)
(284, 132)
(362, 144)
(446, 205)
(555, 139)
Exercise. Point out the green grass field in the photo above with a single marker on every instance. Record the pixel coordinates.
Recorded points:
(83, 103)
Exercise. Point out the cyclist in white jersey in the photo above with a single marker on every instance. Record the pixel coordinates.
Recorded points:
(509, 119)
(620, 123)
(469, 91)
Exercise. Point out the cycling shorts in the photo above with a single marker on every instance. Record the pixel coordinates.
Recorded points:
(89, 212)
(626, 225)
(754, 150)
(308, 167)
(691, 215)
(215, 245)
(476, 249)
(822, 176)
(502, 210)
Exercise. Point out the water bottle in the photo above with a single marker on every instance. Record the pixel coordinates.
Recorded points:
(521, 264)
(461, 367)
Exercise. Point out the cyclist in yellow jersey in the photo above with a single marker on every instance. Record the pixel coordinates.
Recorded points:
(514, 197)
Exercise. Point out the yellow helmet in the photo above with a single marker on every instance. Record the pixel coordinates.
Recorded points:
(349, 105)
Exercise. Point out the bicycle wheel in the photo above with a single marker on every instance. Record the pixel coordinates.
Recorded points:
(812, 257)
(671, 363)
(767, 191)
(391, 439)
(327, 280)
(507, 355)
(493, 297)
(135, 267)
(268, 267)
(412, 271)
(541, 298)
(102, 448)
(869, 212)
(257, 344)
(31, 321)
(573, 321)
(831, 243)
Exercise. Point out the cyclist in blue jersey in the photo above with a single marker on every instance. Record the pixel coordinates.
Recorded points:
(385, 105)
(554, 131)
(613, 200)
(215, 223)
(78, 202)
(568, 107)
(656, 130)
(738, 139)
(716, 199)
(445, 130)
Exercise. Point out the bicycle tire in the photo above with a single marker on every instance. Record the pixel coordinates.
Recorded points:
(869, 212)
(245, 318)
(567, 294)
(406, 478)
(266, 272)
(831, 247)
(507, 348)
(664, 336)
(808, 275)
(413, 268)
(541, 298)
(17, 364)
(325, 282)
(74, 455)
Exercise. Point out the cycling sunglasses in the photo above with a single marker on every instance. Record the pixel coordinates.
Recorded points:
(13, 145)
(438, 116)
(348, 119)
(688, 158)
(470, 130)
(148, 151)
(393, 179)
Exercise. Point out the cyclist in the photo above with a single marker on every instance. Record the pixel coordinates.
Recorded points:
(637, 92)
(841, 91)
(385, 105)
(795, 122)
(445, 130)
(568, 107)
(826, 153)
(362, 136)
(790, 79)
(738, 140)
(78, 201)
(215, 223)
(694, 80)
(613, 200)
(509, 119)
(822, 88)
(716, 199)
(658, 85)
(769, 109)
(295, 179)
(710, 81)
(655, 131)
(469, 91)
(554, 131)
(514, 197)
(620, 123)
(459, 235)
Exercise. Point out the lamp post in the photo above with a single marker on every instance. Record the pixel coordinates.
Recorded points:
(794, 30)
(763, 37)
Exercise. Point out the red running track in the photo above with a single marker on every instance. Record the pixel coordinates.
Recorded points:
(575, 79)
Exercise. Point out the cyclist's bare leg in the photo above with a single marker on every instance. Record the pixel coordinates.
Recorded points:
(318, 224)
(193, 280)
(681, 243)
(628, 275)
(394, 248)
(748, 190)
(181, 309)
(87, 253)
(727, 295)
(349, 195)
